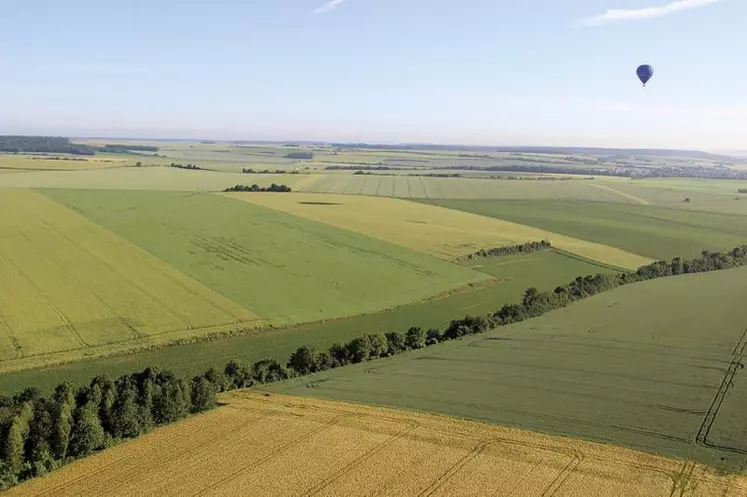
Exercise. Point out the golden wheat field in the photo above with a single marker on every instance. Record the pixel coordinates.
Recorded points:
(435, 230)
(70, 288)
(278, 445)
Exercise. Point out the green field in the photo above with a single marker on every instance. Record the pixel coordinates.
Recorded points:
(639, 366)
(544, 270)
(641, 229)
(285, 269)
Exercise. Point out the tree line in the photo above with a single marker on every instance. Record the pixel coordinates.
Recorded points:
(193, 167)
(523, 248)
(267, 171)
(299, 155)
(39, 434)
(126, 148)
(256, 188)
(369, 168)
(42, 145)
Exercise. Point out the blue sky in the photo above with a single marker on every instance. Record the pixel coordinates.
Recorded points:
(471, 71)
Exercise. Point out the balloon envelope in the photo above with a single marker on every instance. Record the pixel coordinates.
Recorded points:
(645, 72)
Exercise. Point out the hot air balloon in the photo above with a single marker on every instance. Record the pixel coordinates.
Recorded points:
(645, 72)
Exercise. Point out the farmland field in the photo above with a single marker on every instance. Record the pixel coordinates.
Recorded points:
(285, 269)
(425, 187)
(289, 446)
(442, 232)
(141, 178)
(647, 230)
(544, 270)
(639, 366)
(44, 163)
(72, 289)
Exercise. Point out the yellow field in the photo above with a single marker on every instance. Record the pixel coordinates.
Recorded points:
(276, 445)
(442, 232)
(72, 289)
(28, 162)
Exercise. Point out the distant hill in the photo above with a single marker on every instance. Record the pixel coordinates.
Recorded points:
(695, 154)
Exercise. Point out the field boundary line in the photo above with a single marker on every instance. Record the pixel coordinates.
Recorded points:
(637, 200)
(594, 262)
(726, 383)
(150, 260)
(111, 267)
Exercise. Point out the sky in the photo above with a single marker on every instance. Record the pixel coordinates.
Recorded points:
(491, 72)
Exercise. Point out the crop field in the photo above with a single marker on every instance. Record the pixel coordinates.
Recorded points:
(544, 270)
(142, 178)
(447, 188)
(442, 232)
(650, 366)
(283, 268)
(647, 230)
(43, 163)
(281, 445)
(72, 289)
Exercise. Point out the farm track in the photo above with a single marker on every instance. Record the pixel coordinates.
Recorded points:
(727, 383)
(379, 452)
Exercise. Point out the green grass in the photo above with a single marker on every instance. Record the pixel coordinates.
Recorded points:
(544, 270)
(639, 366)
(282, 268)
(646, 230)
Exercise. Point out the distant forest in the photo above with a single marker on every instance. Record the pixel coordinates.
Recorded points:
(42, 144)
(58, 145)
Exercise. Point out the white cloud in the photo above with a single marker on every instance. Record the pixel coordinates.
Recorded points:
(617, 15)
(332, 4)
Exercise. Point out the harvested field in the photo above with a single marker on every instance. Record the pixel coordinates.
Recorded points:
(71, 289)
(431, 229)
(277, 445)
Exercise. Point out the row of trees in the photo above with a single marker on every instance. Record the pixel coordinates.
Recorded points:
(299, 155)
(38, 434)
(193, 167)
(256, 188)
(267, 171)
(511, 249)
(127, 148)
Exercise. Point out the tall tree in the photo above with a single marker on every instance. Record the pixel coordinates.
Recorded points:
(62, 422)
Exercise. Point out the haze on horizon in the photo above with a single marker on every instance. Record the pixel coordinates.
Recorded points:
(436, 71)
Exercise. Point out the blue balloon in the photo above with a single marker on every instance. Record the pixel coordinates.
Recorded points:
(645, 72)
